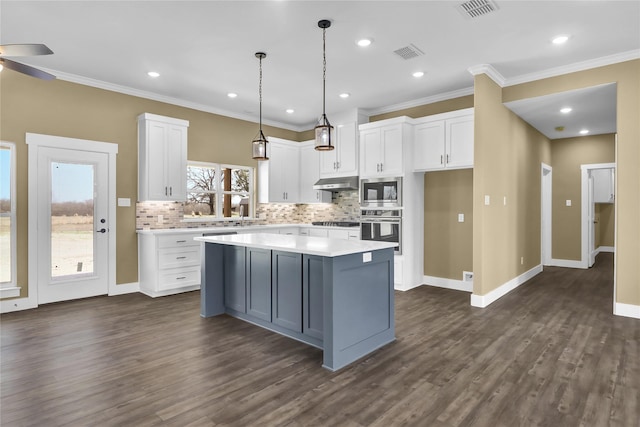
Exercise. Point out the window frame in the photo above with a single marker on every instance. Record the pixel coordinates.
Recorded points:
(10, 289)
(220, 193)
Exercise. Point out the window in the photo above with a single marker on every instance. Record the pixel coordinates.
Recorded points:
(8, 286)
(217, 191)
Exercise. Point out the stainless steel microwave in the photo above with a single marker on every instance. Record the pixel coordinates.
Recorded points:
(381, 192)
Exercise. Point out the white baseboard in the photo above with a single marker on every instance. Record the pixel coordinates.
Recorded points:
(154, 294)
(125, 288)
(626, 310)
(484, 300)
(441, 282)
(569, 263)
(17, 304)
(609, 249)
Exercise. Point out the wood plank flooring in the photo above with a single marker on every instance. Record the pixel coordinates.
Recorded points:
(548, 354)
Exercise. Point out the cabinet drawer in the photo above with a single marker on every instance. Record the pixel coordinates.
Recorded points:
(181, 257)
(178, 278)
(177, 241)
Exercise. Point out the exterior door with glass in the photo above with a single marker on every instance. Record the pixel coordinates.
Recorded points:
(73, 224)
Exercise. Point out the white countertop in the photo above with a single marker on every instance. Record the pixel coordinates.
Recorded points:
(321, 246)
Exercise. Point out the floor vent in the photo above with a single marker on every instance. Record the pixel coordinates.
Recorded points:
(477, 8)
(409, 52)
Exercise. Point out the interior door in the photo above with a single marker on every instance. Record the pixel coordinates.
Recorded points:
(591, 221)
(73, 224)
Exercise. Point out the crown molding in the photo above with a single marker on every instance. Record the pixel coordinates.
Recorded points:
(491, 72)
(575, 67)
(421, 101)
(73, 78)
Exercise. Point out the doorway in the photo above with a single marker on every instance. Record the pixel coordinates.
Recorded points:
(598, 186)
(545, 214)
(71, 218)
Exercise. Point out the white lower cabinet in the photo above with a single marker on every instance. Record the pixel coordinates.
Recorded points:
(168, 264)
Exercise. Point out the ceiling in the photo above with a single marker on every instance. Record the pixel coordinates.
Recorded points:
(205, 49)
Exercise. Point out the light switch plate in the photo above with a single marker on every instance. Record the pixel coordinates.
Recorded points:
(487, 200)
(461, 217)
(568, 202)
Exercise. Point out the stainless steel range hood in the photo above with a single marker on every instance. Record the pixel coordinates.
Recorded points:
(337, 184)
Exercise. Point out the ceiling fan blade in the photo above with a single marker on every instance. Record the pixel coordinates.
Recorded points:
(26, 69)
(24, 50)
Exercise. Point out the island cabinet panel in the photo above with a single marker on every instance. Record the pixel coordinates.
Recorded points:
(312, 296)
(235, 295)
(286, 273)
(258, 276)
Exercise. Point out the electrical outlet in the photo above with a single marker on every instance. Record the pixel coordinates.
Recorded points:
(521, 260)
(160, 219)
(460, 217)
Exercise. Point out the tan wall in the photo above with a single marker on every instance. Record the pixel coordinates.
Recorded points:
(66, 109)
(448, 249)
(625, 74)
(605, 226)
(428, 109)
(566, 157)
(508, 154)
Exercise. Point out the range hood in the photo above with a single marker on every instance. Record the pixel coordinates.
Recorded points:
(337, 184)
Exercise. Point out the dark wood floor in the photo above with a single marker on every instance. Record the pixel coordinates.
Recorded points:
(548, 354)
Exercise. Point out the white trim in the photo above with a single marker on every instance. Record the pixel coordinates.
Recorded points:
(484, 300)
(18, 304)
(546, 213)
(168, 99)
(34, 142)
(626, 310)
(607, 249)
(420, 102)
(124, 288)
(491, 72)
(575, 67)
(167, 292)
(10, 292)
(567, 263)
(441, 282)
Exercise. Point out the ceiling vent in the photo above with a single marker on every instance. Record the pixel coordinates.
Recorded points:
(477, 8)
(408, 52)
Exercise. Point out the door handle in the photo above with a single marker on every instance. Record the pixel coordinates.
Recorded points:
(102, 230)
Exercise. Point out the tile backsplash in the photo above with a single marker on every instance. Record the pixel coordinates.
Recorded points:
(344, 206)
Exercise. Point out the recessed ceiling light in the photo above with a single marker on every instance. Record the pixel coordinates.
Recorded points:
(418, 74)
(584, 131)
(364, 42)
(232, 95)
(565, 110)
(560, 39)
(290, 110)
(153, 74)
(345, 95)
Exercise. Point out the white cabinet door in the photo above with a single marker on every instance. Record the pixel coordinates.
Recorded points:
(162, 158)
(281, 173)
(381, 151)
(459, 148)
(603, 185)
(343, 160)
(309, 174)
(429, 145)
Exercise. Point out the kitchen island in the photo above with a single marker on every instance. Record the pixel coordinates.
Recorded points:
(336, 295)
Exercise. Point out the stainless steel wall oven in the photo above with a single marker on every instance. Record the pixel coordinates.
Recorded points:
(382, 225)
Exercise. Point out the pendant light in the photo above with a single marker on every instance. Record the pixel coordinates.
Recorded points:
(259, 144)
(325, 137)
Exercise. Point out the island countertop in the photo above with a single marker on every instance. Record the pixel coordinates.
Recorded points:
(308, 245)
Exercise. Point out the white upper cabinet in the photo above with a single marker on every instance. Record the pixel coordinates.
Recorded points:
(343, 160)
(279, 176)
(310, 173)
(603, 185)
(381, 151)
(444, 141)
(162, 158)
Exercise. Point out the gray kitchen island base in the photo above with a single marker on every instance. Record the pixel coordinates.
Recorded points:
(342, 304)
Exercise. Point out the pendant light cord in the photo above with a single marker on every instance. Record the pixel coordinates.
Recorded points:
(324, 69)
(260, 95)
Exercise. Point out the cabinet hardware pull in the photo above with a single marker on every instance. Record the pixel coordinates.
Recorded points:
(381, 167)
(180, 278)
(338, 163)
(171, 191)
(447, 158)
(165, 191)
(181, 257)
(181, 241)
(441, 159)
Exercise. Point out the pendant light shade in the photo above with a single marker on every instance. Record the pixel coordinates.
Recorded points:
(259, 143)
(325, 136)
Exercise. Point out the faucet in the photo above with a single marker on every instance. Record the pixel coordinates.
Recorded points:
(241, 215)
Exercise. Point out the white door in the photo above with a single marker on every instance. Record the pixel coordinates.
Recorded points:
(73, 224)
